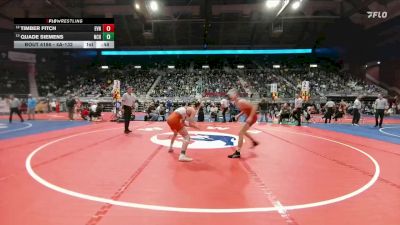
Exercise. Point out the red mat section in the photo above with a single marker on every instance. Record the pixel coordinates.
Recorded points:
(291, 166)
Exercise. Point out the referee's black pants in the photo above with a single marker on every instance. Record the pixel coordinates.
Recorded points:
(379, 114)
(328, 115)
(17, 111)
(356, 116)
(127, 116)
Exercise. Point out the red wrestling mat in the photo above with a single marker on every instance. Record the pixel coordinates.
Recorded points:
(297, 175)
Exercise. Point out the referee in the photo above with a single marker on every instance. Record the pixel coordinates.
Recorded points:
(298, 106)
(356, 111)
(380, 105)
(128, 104)
(329, 110)
(15, 104)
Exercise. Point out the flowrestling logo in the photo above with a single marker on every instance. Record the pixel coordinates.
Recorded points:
(199, 140)
(377, 14)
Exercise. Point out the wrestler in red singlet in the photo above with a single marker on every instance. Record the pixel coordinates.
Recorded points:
(248, 109)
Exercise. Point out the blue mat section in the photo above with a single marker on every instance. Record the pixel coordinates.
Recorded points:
(392, 131)
(18, 129)
(368, 131)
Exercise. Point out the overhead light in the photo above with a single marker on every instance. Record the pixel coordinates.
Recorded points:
(366, 66)
(276, 66)
(205, 67)
(154, 6)
(171, 67)
(104, 67)
(313, 65)
(240, 66)
(272, 3)
(379, 62)
(296, 5)
(137, 6)
(138, 67)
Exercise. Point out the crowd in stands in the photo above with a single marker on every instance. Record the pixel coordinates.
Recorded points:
(260, 82)
(323, 82)
(177, 83)
(13, 83)
(182, 83)
(97, 82)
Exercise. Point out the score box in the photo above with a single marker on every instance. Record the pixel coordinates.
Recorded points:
(108, 27)
(108, 36)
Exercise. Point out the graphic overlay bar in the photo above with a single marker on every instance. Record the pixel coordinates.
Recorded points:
(211, 52)
(96, 33)
(70, 36)
(58, 28)
(63, 21)
(64, 44)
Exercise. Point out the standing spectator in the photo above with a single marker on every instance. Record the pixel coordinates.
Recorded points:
(70, 107)
(31, 107)
(356, 112)
(298, 105)
(78, 107)
(58, 106)
(329, 111)
(342, 106)
(200, 114)
(128, 104)
(263, 107)
(169, 106)
(224, 108)
(380, 105)
(14, 108)
(394, 105)
(48, 104)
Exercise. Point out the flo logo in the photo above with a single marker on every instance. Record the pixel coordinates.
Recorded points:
(377, 14)
(199, 140)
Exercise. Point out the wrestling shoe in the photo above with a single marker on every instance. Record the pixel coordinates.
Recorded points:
(236, 154)
(184, 158)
